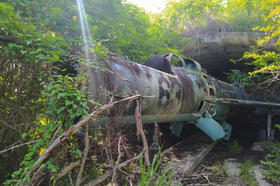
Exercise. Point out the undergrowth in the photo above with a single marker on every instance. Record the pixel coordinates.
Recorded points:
(245, 172)
(152, 175)
(65, 103)
(273, 161)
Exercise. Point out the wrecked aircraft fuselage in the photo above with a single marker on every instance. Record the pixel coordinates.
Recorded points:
(182, 95)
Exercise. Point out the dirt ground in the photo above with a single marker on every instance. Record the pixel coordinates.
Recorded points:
(211, 170)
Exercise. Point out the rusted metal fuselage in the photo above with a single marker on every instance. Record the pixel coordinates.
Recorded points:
(187, 94)
(181, 93)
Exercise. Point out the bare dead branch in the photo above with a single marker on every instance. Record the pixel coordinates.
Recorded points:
(66, 170)
(104, 40)
(118, 161)
(140, 131)
(79, 178)
(56, 132)
(206, 177)
(17, 146)
(108, 144)
(70, 178)
(100, 179)
(109, 172)
(10, 126)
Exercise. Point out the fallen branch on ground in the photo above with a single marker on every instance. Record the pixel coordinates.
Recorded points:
(110, 172)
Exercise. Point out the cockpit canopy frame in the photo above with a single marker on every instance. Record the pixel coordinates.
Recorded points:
(187, 63)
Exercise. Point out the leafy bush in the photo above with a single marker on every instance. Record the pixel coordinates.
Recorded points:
(26, 55)
(65, 103)
(273, 162)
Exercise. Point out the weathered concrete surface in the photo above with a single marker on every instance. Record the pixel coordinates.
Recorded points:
(214, 50)
(258, 172)
(232, 167)
(186, 155)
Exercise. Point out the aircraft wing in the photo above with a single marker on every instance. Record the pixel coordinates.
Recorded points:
(239, 102)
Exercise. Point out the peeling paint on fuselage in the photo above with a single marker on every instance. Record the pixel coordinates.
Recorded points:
(181, 93)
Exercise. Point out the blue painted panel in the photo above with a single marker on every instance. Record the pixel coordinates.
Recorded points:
(210, 127)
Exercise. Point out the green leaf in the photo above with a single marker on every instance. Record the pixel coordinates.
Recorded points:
(24, 135)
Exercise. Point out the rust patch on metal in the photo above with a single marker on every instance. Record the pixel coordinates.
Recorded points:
(147, 72)
(187, 90)
(176, 86)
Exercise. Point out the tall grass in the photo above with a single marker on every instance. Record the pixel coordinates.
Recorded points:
(153, 175)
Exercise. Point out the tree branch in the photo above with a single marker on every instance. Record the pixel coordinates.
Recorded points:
(117, 162)
(109, 172)
(79, 178)
(67, 169)
(16, 146)
(140, 131)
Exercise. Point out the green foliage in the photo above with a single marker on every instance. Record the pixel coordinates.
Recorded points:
(25, 57)
(197, 15)
(58, 17)
(31, 45)
(245, 172)
(264, 57)
(266, 61)
(121, 27)
(235, 147)
(126, 29)
(65, 99)
(152, 176)
(35, 33)
(65, 104)
(243, 15)
(273, 162)
(240, 77)
(191, 13)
